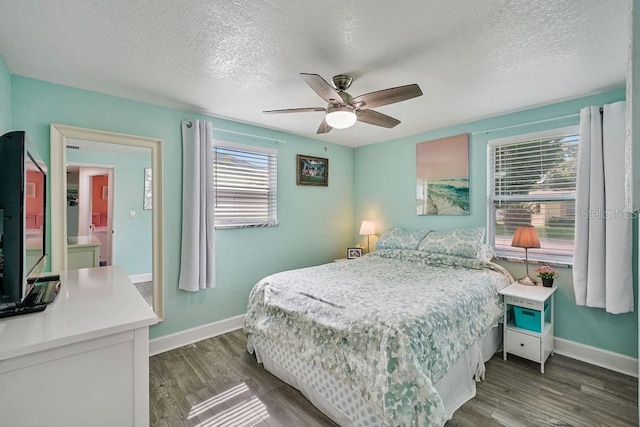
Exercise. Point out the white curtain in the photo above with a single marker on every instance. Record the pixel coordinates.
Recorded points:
(197, 264)
(602, 264)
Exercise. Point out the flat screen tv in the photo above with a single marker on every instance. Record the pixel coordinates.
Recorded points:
(23, 182)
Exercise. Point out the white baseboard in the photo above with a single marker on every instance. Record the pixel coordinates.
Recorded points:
(139, 278)
(596, 356)
(199, 333)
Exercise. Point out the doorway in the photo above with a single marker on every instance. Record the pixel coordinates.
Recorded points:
(90, 196)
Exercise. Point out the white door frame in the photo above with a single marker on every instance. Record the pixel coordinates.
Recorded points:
(85, 208)
(59, 135)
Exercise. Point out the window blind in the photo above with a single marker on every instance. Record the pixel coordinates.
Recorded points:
(245, 186)
(533, 182)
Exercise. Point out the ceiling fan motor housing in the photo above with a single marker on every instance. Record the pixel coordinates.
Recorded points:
(341, 82)
(346, 100)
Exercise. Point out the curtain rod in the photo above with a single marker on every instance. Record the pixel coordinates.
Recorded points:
(526, 124)
(250, 136)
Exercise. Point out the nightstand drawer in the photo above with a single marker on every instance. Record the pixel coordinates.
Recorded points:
(523, 302)
(523, 345)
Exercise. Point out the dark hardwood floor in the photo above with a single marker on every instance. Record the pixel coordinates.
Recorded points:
(146, 290)
(215, 382)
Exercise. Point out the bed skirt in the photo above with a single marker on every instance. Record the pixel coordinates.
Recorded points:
(344, 405)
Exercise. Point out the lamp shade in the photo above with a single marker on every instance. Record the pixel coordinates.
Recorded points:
(341, 117)
(525, 237)
(367, 228)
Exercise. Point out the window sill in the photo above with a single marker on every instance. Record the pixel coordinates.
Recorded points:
(551, 263)
(231, 226)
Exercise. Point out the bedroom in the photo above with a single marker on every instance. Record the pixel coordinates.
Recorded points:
(33, 101)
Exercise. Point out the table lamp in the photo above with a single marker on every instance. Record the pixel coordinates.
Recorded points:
(367, 229)
(525, 237)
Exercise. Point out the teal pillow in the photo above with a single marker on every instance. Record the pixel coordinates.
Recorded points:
(399, 238)
(461, 242)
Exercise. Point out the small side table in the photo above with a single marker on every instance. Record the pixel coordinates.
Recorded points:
(529, 339)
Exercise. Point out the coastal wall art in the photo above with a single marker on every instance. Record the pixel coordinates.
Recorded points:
(442, 176)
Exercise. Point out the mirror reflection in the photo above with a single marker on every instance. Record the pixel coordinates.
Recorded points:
(108, 222)
(34, 218)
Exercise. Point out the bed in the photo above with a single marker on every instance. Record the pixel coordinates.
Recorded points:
(394, 338)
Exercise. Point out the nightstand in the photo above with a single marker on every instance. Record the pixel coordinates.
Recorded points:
(528, 332)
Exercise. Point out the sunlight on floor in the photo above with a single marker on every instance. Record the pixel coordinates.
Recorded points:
(248, 413)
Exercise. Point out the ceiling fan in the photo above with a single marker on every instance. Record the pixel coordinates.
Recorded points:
(344, 110)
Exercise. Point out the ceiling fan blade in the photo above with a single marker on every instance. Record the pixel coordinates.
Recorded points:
(324, 127)
(295, 110)
(322, 88)
(388, 96)
(374, 118)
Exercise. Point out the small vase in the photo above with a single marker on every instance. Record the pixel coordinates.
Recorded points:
(547, 283)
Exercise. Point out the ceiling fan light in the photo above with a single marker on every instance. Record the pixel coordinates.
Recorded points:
(341, 117)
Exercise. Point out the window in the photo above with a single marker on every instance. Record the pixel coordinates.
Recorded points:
(532, 181)
(245, 186)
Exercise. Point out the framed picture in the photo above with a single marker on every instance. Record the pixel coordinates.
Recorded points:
(354, 253)
(31, 190)
(312, 171)
(442, 176)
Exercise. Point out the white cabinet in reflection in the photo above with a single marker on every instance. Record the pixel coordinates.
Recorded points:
(83, 252)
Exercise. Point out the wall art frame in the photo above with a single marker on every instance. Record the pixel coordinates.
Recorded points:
(312, 171)
(442, 176)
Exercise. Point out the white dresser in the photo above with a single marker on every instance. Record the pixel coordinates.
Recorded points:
(82, 361)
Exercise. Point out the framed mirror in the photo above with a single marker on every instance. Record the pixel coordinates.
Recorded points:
(62, 241)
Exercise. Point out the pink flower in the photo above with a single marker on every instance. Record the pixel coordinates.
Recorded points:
(546, 272)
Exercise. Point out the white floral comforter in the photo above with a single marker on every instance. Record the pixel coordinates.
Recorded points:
(390, 323)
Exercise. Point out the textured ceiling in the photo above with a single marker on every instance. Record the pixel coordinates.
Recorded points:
(472, 58)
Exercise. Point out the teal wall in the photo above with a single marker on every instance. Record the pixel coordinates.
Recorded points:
(132, 237)
(385, 193)
(315, 222)
(5, 98)
(379, 185)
